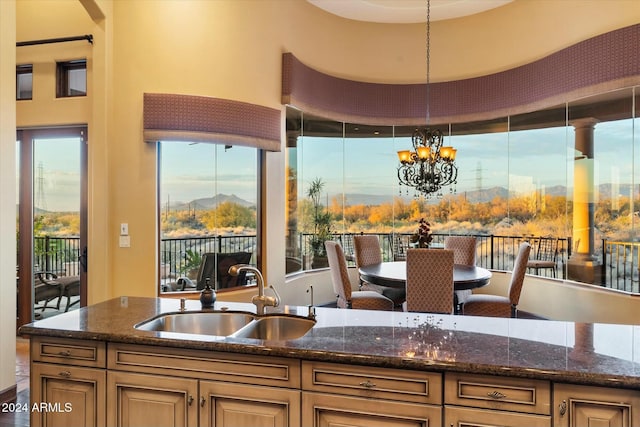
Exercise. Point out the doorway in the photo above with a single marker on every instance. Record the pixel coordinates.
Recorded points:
(52, 248)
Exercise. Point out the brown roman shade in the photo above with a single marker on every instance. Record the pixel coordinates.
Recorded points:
(606, 62)
(173, 117)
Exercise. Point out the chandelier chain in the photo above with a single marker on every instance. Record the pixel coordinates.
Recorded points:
(428, 58)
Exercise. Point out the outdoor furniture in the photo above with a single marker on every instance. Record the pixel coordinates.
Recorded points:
(346, 298)
(215, 267)
(497, 305)
(429, 281)
(545, 255)
(367, 251)
(52, 286)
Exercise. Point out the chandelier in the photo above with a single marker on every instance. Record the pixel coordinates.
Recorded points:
(431, 165)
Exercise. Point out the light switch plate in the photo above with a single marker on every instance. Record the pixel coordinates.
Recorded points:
(125, 241)
(124, 229)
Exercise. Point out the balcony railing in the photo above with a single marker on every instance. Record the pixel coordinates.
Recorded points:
(620, 260)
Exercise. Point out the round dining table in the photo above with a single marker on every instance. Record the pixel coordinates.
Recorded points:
(394, 275)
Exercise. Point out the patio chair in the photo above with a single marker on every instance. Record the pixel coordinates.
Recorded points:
(429, 281)
(52, 286)
(545, 255)
(498, 305)
(215, 267)
(346, 298)
(367, 251)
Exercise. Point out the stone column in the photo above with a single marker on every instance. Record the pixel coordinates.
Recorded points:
(582, 265)
(291, 217)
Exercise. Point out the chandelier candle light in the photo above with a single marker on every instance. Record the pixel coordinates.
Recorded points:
(431, 165)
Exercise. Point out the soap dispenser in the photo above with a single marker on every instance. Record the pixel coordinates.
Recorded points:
(208, 295)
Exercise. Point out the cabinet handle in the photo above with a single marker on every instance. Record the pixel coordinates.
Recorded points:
(202, 401)
(496, 395)
(190, 400)
(65, 374)
(367, 384)
(563, 407)
(65, 353)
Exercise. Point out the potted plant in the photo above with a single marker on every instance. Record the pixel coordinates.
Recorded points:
(321, 225)
(422, 237)
(192, 261)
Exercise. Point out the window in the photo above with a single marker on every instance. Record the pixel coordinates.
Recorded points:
(208, 205)
(522, 177)
(72, 78)
(24, 82)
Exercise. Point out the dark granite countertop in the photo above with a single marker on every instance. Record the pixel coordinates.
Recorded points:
(595, 354)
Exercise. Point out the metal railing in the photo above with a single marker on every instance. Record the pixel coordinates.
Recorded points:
(620, 260)
(57, 254)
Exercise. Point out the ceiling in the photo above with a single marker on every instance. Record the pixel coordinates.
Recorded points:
(405, 11)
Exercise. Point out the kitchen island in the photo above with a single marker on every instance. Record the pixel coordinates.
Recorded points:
(354, 367)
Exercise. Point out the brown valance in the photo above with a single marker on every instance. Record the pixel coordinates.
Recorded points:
(606, 62)
(173, 117)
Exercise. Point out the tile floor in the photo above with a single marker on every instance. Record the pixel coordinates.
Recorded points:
(19, 419)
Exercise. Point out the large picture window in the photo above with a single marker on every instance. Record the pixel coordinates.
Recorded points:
(523, 177)
(207, 213)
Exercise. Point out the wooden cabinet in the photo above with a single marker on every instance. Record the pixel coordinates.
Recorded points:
(176, 387)
(151, 400)
(481, 400)
(237, 405)
(349, 395)
(68, 383)
(586, 406)
(78, 382)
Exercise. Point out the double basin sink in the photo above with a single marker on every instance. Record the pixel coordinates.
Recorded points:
(233, 324)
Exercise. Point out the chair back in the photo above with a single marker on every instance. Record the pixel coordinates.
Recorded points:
(463, 247)
(339, 272)
(215, 267)
(517, 275)
(546, 249)
(367, 250)
(430, 280)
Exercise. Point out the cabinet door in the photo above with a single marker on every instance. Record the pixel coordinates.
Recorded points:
(238, 405)
(67, 395)
(323, 410)
(139, 400)
(582, 406)
(475, 417)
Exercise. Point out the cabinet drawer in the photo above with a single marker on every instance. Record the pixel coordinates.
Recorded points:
(232, 367)
(492, 392)
(470, 417)
(379, 383)
(68, 351)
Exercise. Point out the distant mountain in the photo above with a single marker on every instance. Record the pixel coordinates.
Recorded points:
(212, 202)
(488, 194)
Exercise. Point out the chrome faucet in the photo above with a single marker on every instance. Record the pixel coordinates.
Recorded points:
(261, 300)
(312, 310)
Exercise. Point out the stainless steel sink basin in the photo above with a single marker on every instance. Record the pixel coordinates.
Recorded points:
(277, 327)
(222, 323)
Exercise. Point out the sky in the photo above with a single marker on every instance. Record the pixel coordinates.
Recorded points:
(543, 157)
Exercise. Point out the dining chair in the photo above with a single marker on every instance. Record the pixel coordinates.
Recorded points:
(367, 252)
(346, 298)
(464, 253)
(499, 305)
(429, 281)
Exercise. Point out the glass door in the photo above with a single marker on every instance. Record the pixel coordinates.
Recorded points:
(52, 213)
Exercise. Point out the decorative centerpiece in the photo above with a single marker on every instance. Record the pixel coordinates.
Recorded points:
(422, 238)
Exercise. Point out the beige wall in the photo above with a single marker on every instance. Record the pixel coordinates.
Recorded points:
(232, 49)
(7, 194)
